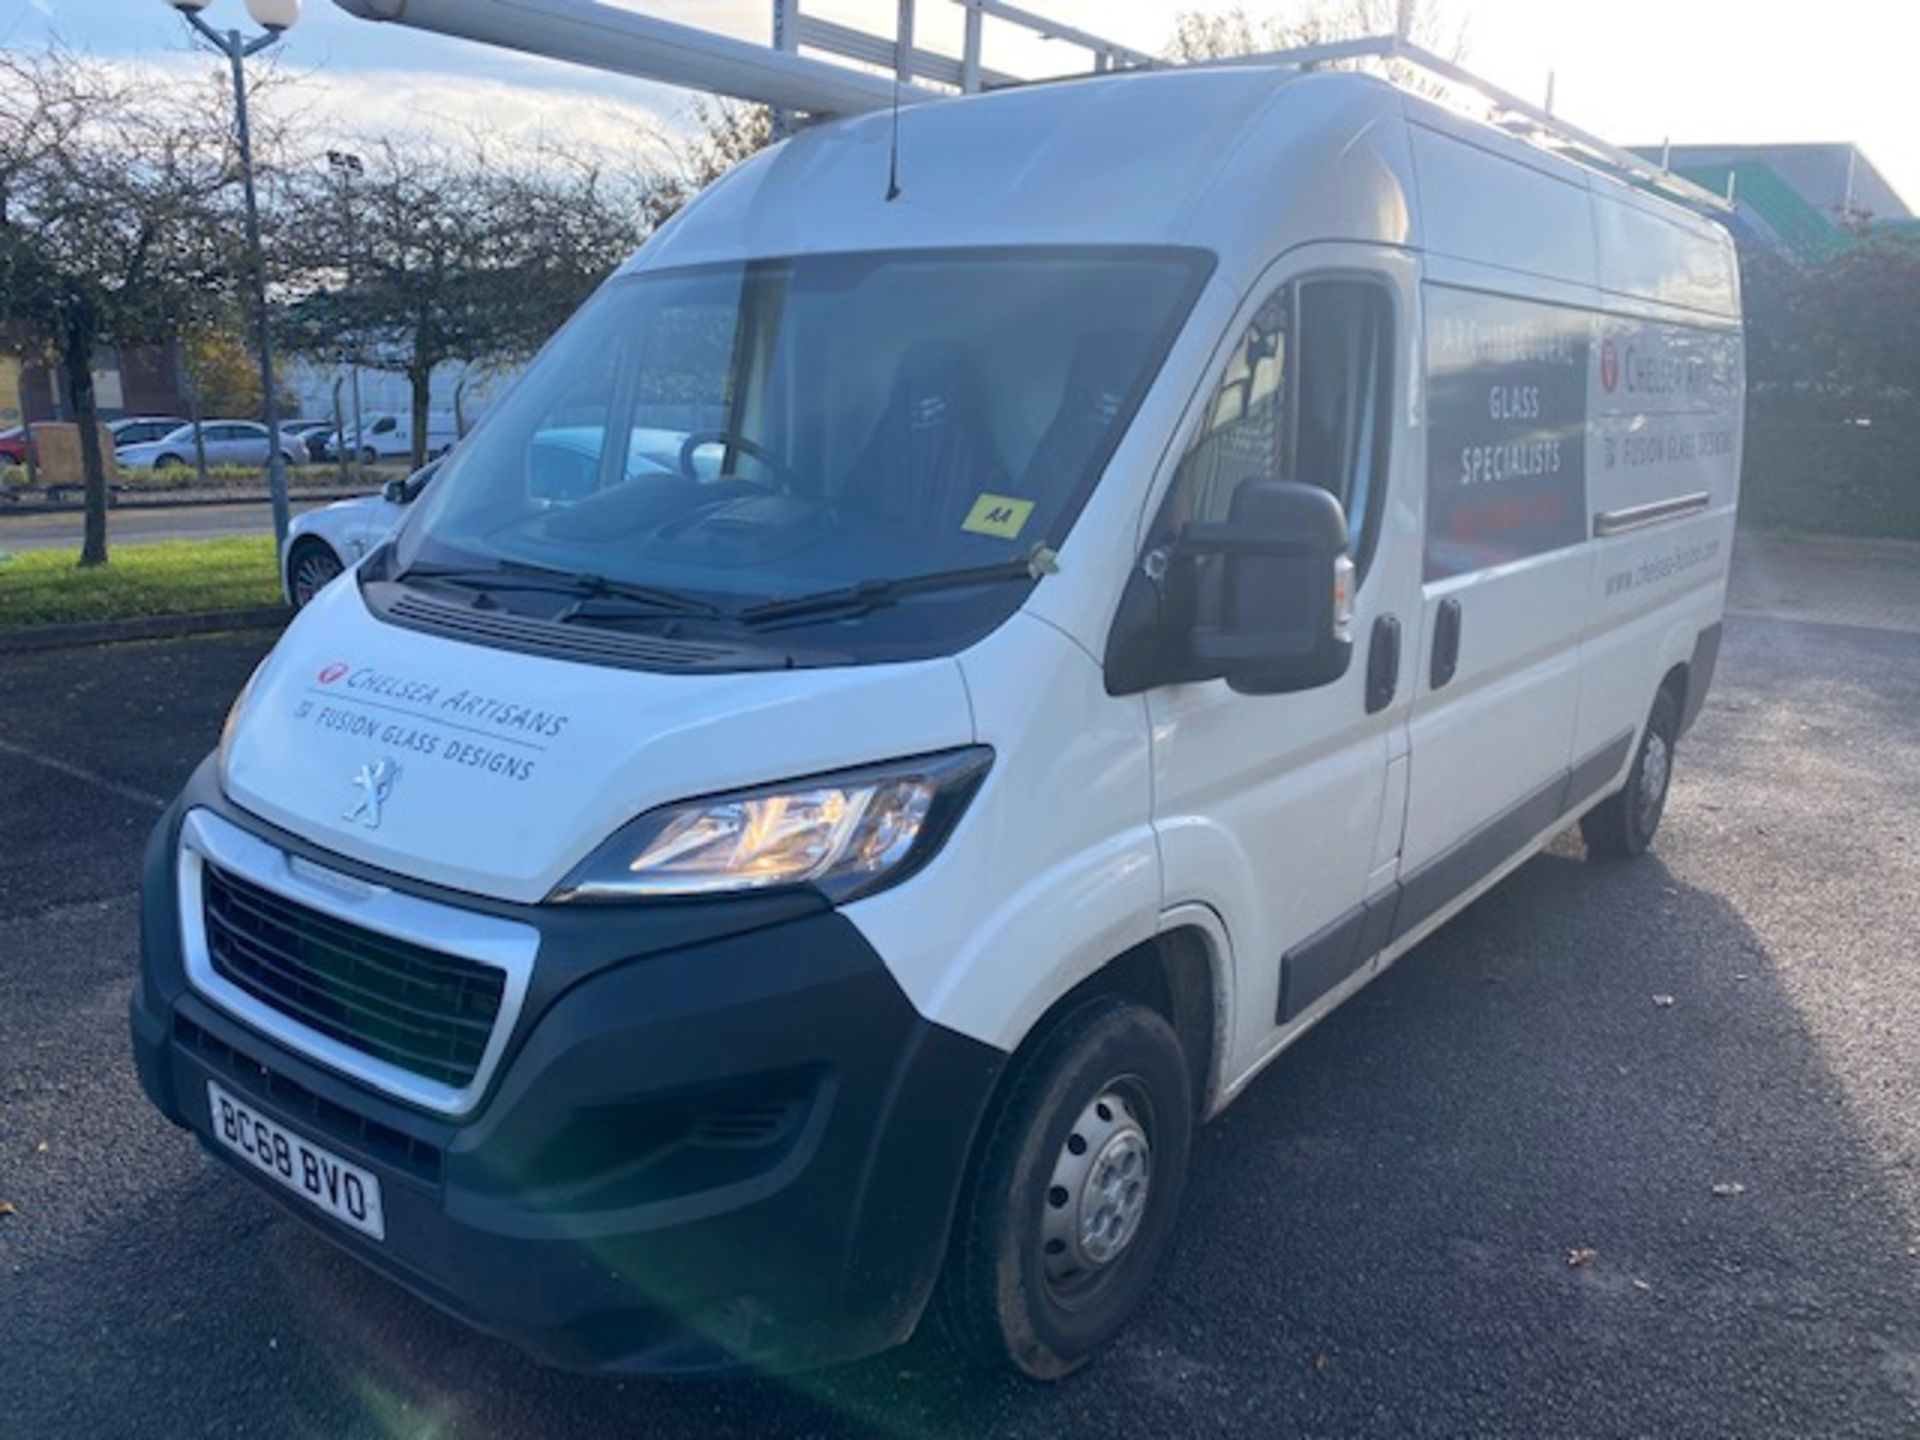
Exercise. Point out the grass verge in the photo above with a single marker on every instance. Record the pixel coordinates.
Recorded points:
(169, 577)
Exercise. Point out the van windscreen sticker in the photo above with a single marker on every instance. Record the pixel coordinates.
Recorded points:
(1506, 426)
(1001, 516)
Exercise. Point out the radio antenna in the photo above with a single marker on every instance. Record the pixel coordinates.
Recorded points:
(893, 148)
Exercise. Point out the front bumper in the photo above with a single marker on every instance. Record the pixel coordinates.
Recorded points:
(719, 1137)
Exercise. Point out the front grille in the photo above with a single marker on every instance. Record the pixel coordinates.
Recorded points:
(422, 1010)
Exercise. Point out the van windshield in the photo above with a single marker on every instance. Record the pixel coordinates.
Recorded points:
(746, 436)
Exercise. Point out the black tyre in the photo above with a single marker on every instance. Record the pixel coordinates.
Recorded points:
(311, 564)
(369, 456)
(1621, 826)
(1071, 1202)
(169, 462)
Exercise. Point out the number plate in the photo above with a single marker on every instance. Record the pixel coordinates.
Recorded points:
(344, 1191)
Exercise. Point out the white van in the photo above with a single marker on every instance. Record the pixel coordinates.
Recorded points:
(912, 703)
(388, 435)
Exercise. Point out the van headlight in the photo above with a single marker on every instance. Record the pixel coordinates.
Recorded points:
(846, 834)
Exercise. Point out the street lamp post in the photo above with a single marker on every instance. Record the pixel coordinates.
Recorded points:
(274, 16)
(349, 167)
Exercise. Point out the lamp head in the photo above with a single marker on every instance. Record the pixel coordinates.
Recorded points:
(274, 14)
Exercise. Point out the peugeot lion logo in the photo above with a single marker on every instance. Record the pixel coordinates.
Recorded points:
(375, 783)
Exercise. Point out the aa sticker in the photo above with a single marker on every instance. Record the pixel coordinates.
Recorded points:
(1000, 515)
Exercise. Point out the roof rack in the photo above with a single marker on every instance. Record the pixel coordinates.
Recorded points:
(1535, 124)
(627, 42)
(794, 31)
(612, 38)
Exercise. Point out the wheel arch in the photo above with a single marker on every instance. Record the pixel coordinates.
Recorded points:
(1676, 681)
(1181, 974)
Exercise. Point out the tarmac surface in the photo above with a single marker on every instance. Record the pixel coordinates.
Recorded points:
(1703, 1068)
(144, 524)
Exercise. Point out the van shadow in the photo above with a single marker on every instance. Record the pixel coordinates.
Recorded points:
(1481, 1197)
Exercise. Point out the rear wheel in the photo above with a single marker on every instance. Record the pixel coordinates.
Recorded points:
(1072, 1200)
(1622, 825)
(310, 566)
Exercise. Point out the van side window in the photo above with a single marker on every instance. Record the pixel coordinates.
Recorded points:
(1343, 409)
(1243, 437)
(1307, 396)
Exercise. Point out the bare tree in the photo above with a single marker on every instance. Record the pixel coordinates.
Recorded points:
(110, 188)
(1214, 35)
(724, 133)
(464, 254)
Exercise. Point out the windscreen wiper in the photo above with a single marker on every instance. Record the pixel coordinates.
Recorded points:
(871, 594)
(519, 575)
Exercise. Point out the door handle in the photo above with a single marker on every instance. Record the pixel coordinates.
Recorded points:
(1383, 664)
(1446, 643)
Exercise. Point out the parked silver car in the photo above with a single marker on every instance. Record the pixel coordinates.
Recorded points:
(229, 442)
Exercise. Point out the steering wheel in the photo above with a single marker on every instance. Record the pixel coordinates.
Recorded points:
(775, 469)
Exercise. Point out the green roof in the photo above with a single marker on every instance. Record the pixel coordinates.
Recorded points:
(1776, 204)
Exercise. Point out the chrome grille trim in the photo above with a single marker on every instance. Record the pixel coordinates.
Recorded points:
(506, 945)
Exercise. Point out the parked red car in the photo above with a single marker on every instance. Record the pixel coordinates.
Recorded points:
(13, 445)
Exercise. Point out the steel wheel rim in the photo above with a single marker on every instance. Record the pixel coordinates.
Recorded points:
(1098, 1193)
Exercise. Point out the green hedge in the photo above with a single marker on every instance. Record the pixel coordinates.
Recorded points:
(1811, 465)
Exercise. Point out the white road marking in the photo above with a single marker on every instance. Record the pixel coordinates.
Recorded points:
(80, 772)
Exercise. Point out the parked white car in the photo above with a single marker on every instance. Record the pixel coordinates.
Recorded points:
(323, 543)
(229, 442)
(388, 435)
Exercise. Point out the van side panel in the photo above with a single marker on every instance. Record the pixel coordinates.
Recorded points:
(1509, 283)
(1506, 211)
(1666, 395)
(1504, 567)
(1650, 250)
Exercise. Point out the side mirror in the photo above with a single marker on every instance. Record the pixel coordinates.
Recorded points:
(394, 492)
(1263, 600)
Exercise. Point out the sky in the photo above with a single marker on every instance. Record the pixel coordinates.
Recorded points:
(1634, 71)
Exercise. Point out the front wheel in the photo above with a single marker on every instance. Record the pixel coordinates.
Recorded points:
(170, 462)
(1621, 826)
(369, 456)
(1072, 1200)
(309, 569)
